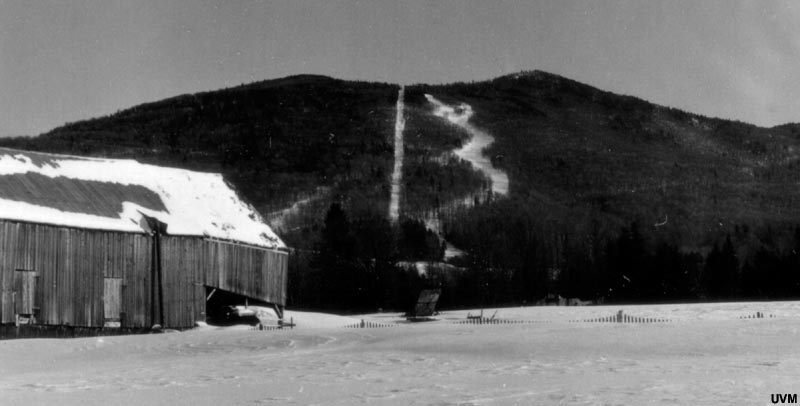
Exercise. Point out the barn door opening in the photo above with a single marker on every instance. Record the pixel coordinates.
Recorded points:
(25, 306)
(7, 309)
(112, 301)
(224, 308)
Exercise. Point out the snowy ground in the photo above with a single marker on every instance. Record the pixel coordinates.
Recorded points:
(707, 355)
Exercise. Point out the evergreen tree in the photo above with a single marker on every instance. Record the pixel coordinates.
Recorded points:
(721, 273)
(628, 265)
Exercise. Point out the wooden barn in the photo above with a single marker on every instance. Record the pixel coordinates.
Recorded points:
(99, 242)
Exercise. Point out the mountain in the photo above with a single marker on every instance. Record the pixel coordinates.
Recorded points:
(568, 146)
(275, 140)
(595, 177)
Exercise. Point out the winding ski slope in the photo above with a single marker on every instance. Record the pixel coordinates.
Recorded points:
(472, 151)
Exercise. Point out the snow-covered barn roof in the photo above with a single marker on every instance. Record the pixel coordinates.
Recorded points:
(114, 194)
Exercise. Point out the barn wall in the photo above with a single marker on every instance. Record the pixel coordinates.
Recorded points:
(77, 273)
(70, 267)
(248, 271)
(182, 267)
(190, 264)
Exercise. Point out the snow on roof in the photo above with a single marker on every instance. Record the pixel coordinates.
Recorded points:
(114, 194)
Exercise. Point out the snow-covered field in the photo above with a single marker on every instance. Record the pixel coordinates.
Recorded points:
(706, 355)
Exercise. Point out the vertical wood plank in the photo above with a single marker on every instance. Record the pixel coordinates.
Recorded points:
(112, 300)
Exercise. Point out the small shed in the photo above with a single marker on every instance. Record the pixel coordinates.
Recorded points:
(105, 242)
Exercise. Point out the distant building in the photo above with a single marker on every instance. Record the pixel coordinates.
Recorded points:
(101, 242)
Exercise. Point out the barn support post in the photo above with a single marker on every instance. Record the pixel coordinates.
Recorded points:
(159, 276)
(278, 311)
(156, 228)
(156, 307)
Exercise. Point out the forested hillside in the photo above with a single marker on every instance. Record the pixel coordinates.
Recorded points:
(275, 141)
(611, 197)
(614, 197)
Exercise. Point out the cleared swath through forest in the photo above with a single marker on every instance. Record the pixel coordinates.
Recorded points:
(397, 172)
(472, 151)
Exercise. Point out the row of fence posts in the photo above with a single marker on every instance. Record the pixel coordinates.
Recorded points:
(281, 325)
(757, 315)
(370, 324)
(483, 320)
(620, 317)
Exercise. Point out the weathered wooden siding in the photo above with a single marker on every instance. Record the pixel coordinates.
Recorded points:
(24, 289)
(71, 268)
(231, 267)
(191, 264)
(182, 269)
(112, 298)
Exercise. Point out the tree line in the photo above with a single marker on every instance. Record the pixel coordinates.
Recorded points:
(359, 263)
(531, 258)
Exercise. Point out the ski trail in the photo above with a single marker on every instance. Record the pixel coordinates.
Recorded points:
(397, 173)
(472, 151)
(280, 219)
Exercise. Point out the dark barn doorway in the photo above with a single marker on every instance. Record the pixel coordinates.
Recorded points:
(224, 308)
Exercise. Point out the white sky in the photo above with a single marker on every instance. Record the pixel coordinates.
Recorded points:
(66, 61)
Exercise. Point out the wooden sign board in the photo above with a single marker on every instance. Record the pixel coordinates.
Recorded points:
(426, 303)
